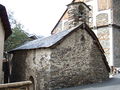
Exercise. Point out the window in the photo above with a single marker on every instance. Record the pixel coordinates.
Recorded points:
(32, 87)
(104, 4)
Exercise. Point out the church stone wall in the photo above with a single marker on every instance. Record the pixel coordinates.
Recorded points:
(32, 63)
(38, 66)
(77, 61)
(18, 66)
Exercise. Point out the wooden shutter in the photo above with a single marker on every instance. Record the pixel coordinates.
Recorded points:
(104, 4)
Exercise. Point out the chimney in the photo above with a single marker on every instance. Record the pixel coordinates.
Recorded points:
(78, 12)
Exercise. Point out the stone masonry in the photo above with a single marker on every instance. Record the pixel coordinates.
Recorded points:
(76, 60)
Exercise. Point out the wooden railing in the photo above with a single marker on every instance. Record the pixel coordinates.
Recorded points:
(24, 85)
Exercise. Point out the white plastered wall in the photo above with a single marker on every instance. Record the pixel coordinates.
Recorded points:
(2, 36)
(94, 4)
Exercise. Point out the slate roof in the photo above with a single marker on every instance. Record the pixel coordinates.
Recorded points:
(5, 21)
(45, 42)
(52, 40)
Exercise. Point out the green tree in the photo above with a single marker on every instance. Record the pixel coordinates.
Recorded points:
(18, 37)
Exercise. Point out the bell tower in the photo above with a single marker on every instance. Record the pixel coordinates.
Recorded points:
(78, 13)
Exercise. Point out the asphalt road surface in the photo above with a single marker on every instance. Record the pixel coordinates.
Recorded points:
(111, 84)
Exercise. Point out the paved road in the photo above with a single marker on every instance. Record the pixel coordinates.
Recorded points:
(111, 84)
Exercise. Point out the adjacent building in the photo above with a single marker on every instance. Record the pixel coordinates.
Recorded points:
(5, 31)
(104, 20)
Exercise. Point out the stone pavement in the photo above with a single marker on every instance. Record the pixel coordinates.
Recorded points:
(111, 84)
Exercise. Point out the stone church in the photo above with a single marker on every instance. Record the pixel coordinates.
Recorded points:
(104, 20)
(68, 58)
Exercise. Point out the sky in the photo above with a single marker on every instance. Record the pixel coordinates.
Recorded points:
(38, 16)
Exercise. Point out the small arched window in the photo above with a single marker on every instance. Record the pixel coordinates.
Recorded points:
(32, 87)
(81, 11)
